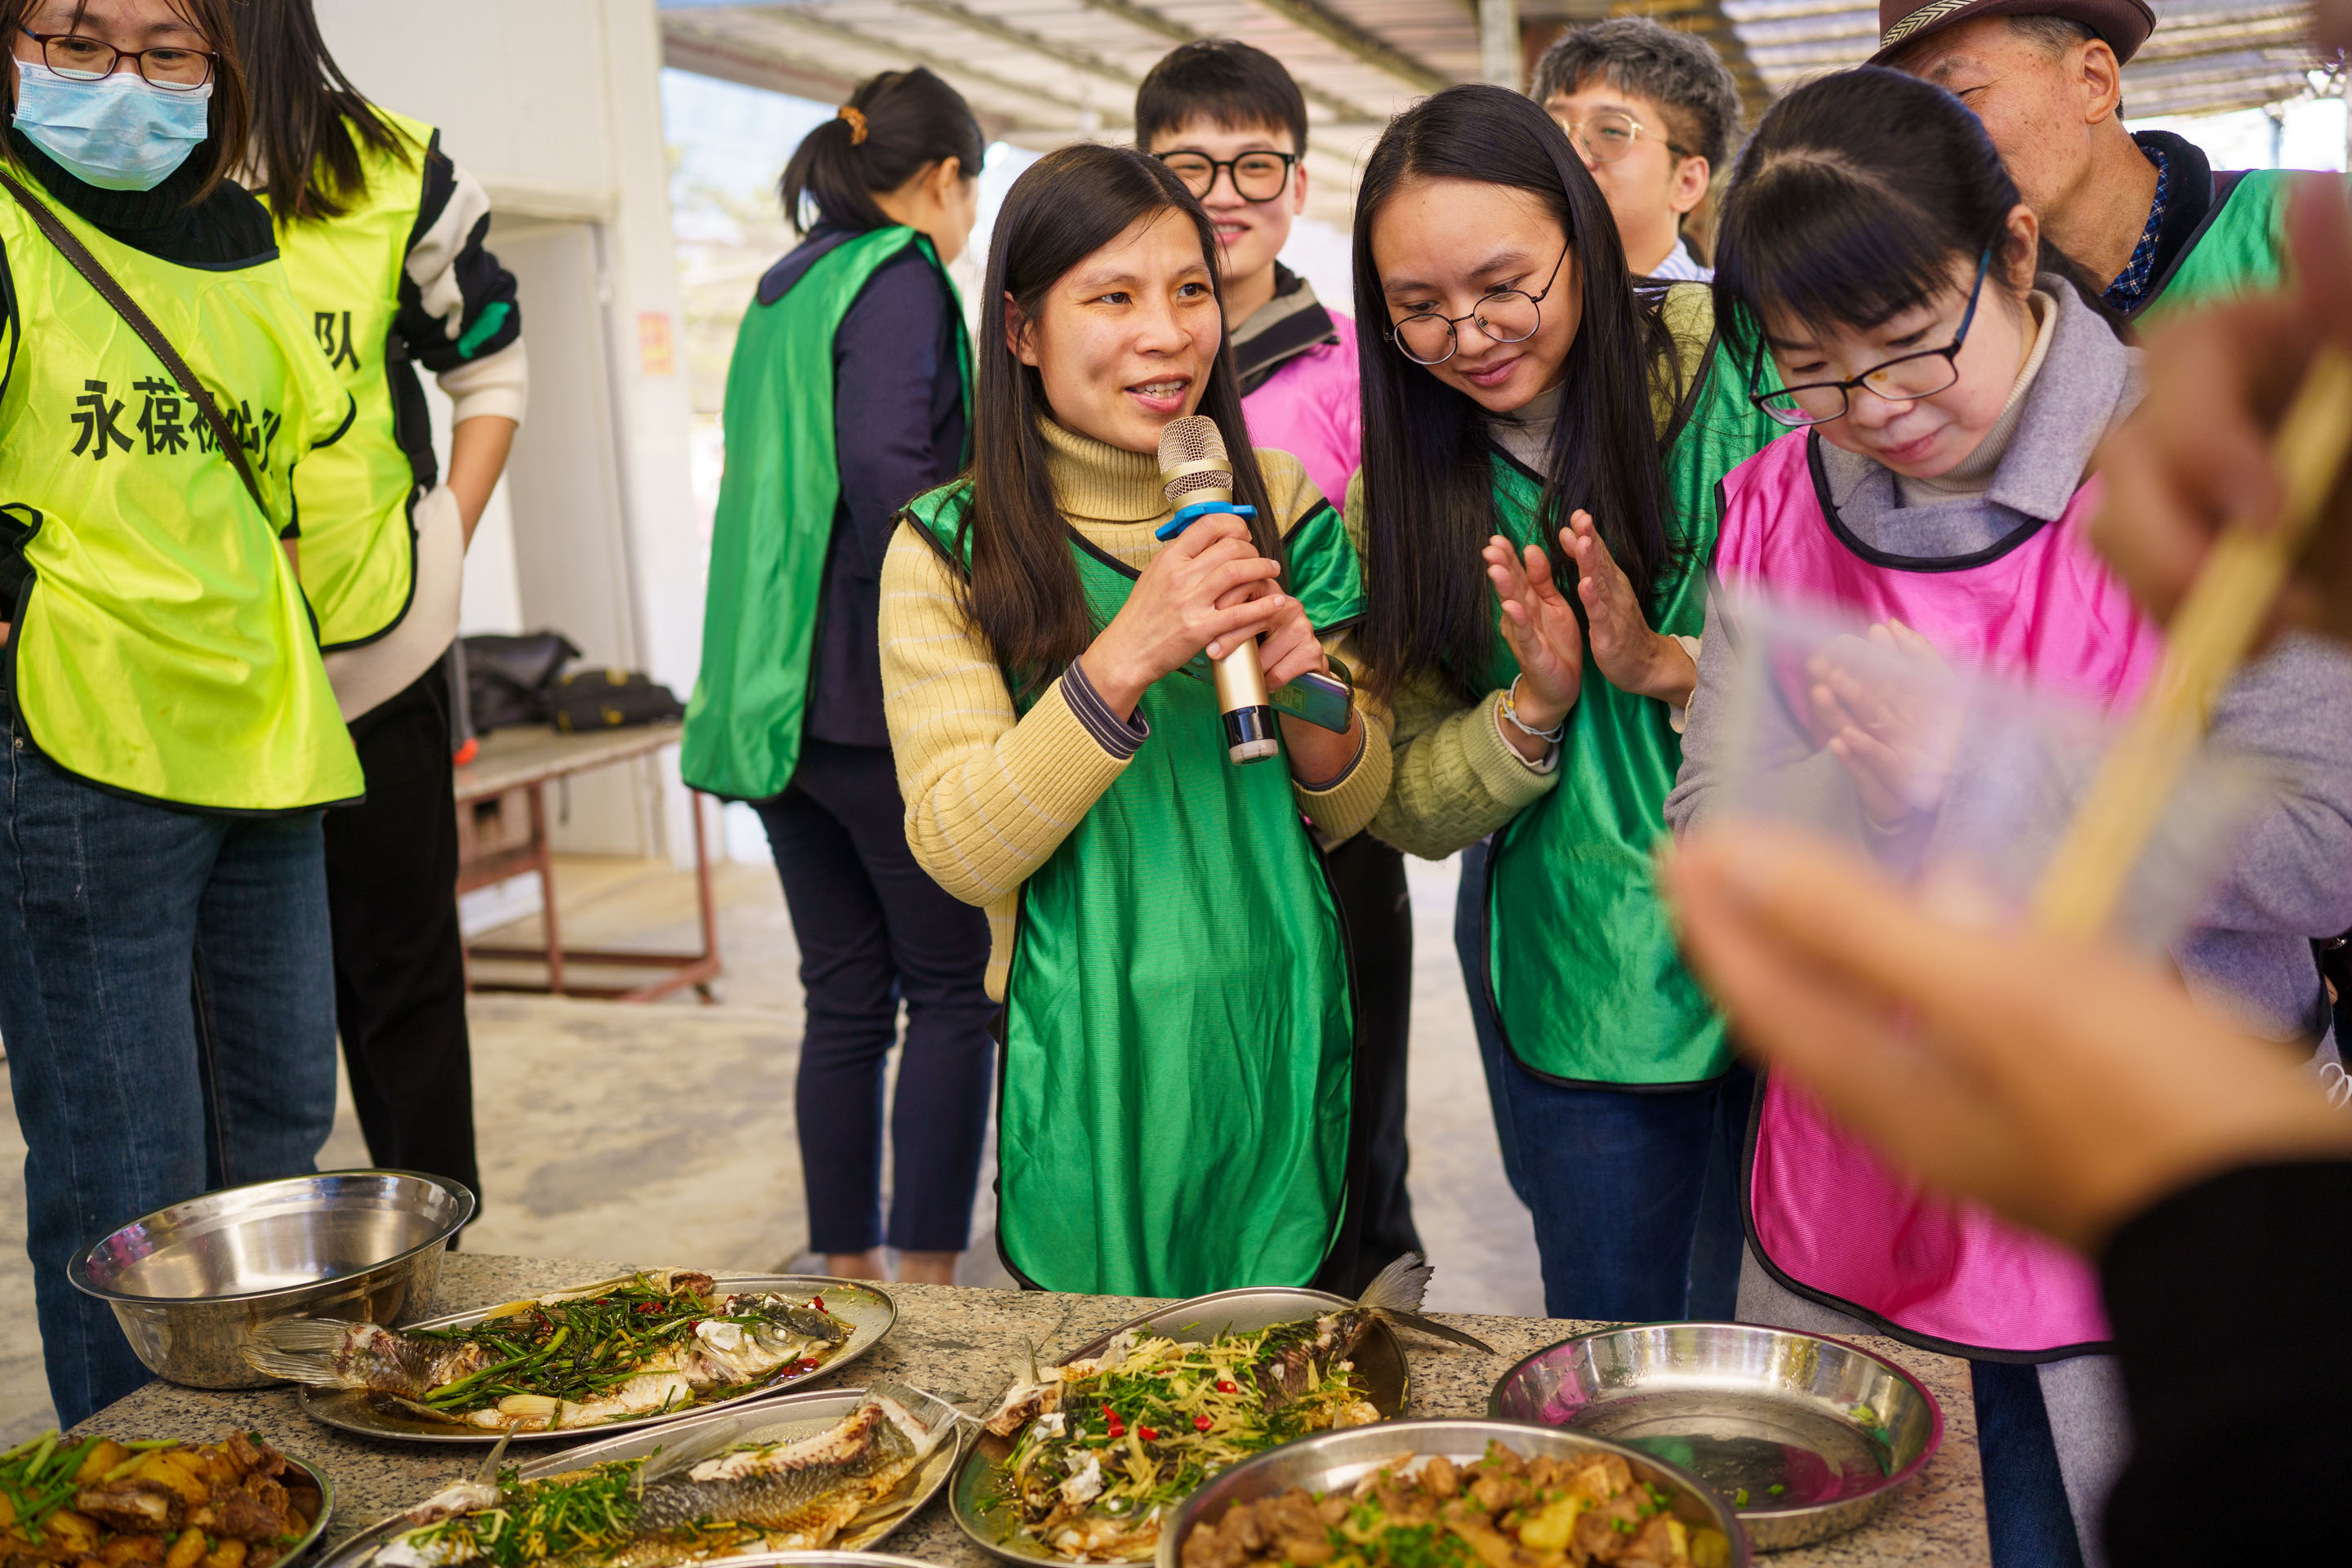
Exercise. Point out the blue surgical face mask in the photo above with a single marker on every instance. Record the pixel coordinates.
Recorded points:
(120, 133)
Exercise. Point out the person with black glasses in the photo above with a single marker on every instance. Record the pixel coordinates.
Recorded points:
(1542, 442)
(1945, 379)
(169, 738)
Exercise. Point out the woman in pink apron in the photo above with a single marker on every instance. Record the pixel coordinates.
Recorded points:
(1947, 382)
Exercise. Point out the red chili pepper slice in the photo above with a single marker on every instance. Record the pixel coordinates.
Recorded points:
(1226, 1385)
(1147, 1434)
(1202, 1423)
(817, 1302)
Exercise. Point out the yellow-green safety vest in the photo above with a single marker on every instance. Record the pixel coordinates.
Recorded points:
(359, 546)
(162, 647)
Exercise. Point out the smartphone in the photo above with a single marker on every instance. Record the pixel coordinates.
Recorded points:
(1321, 700)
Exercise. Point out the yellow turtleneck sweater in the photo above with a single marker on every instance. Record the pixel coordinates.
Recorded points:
(991, 794)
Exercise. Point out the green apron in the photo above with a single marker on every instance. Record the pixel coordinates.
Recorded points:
(1580, 956)
(774, 523)
(359, 547)
(2241, 247)
(162, 647)
(1179, 1024)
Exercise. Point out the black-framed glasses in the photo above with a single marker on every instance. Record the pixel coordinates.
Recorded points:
(1608, 137)
(1506, 316)
(81, 58)
(1900, 380)
(1256, 176)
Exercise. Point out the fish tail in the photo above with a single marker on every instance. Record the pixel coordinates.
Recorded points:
(904, 1407)
(1438, 1330)
(1400, 1286)
(301, 1350)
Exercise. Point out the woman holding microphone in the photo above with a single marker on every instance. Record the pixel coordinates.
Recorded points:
(1178, 1019)
(165, 984)
(848, 396)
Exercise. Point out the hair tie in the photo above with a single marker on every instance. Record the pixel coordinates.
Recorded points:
(857, 118)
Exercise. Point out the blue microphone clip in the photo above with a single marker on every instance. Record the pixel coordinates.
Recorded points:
(1186, 516)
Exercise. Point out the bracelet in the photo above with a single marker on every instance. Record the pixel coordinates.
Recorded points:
(1511, 711)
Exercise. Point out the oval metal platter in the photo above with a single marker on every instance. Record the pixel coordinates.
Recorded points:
(868, 1312)
(1330, 1461)
(771, 1420)
(1380, 1366)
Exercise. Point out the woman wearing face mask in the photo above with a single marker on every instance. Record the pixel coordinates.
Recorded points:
(1527, 412)
(382, 238)
(1177, 1018)
(848, 397)
(165, 985)
(1949, 381)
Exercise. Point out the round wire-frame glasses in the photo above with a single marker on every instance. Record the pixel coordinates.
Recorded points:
(1902, 379)
(1506, 316)
(1609, 136)
(81, 57)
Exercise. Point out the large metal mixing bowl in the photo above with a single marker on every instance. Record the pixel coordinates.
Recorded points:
(189, 1282)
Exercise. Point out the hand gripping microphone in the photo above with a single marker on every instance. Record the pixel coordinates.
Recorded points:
(1199, 483)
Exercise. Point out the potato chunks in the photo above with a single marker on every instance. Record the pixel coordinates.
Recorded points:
(98, 1460)
(183, 1483)
(185, 1552)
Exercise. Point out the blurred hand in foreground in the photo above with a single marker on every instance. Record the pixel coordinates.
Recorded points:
(2197, 453)
(2065, 1085)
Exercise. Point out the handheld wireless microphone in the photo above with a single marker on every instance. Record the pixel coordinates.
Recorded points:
(1198, 474)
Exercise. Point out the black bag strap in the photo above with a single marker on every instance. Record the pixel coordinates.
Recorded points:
(95, 273)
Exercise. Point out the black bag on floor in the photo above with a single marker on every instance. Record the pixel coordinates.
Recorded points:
(609, 699)
(508, 678)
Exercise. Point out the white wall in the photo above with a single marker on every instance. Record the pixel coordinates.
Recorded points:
(553, 105)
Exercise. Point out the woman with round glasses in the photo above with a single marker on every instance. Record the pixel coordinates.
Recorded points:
(1948, 379)
(1541, 445)
(170, 734)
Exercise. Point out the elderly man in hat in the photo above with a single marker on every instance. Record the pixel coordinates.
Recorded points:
(2146, 214)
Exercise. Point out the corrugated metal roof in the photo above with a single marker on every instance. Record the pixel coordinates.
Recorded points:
(1040, 72)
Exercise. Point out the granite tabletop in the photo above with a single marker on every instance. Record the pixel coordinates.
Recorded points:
(964, 1344)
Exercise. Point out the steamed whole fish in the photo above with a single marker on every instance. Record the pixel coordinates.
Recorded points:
(1105, 1450)
(653, 1343)
(687, 1505)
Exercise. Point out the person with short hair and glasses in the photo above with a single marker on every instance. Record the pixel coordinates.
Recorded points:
(1536, 510)
(1945, 378)
(172, 741)
(1652, 112)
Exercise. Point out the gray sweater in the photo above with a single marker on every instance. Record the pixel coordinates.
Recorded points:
(2288, 878)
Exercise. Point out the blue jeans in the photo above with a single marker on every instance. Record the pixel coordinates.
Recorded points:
(167, 998)
(1635, 1196)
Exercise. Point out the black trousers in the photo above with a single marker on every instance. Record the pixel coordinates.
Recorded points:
(874, 929)
(1369, 885)
(400, 961)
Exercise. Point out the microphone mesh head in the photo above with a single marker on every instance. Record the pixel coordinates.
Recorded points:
(1194, 438)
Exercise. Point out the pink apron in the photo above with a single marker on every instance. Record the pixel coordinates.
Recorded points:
(1825, 1213)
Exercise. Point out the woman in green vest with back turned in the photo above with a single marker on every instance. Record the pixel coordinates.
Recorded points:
(849, 397)
(165, 988)
(383, 240)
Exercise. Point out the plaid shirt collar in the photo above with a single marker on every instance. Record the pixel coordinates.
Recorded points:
(2129, 291)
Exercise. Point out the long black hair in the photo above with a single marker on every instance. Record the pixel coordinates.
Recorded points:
(1428, 484)
(309, 123)
(1859, 195)
(893, 127)
(1024, 592)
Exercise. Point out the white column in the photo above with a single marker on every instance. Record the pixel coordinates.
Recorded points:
(1498, 43)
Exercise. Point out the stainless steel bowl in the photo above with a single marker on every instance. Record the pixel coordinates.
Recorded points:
(1329, 1461)
(1808, 1437)
(188, 1283)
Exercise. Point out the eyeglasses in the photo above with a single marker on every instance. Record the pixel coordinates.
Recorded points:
(1606, 138)
(1506, 316)
(92, 59)
(1899, 380)
(1256, 176)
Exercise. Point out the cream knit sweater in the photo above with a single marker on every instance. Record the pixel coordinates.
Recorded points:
(991, 794)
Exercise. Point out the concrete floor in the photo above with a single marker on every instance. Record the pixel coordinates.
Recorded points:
(666, 1130)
